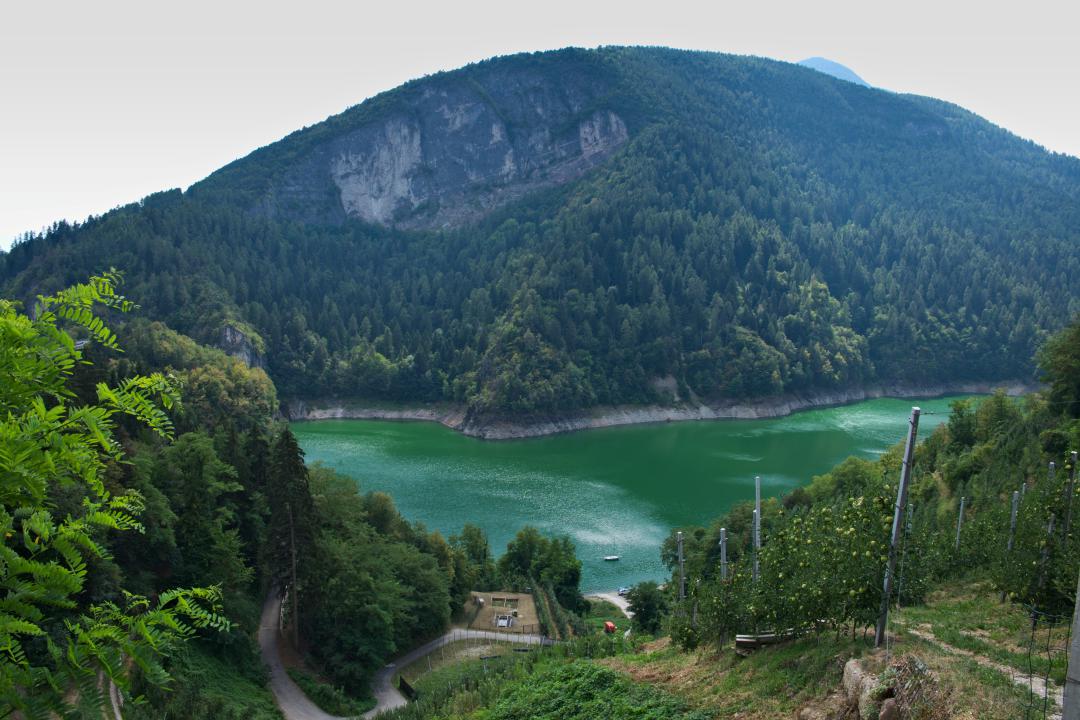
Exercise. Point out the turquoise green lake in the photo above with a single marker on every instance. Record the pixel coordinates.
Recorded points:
(614, 491)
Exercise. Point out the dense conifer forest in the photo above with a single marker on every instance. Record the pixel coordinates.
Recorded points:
(763, 229)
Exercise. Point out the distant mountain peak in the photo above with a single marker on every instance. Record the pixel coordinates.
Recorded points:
(835, 69)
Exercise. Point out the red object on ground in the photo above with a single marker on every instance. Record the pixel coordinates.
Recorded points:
(609, 627)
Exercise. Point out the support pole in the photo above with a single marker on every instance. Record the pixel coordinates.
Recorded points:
(960, 522)
(898, 513)
(903, 553)
(1071, 702)
(1045, 555)
(755, 568)
(682, 568)
(723, 573)
(757, 524)
(724, 553)
(1012, 521)
(1069, 488)
(1012, 529)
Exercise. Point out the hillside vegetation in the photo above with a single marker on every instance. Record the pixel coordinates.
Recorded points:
(144, 531)
(978, 629)
(944, 662)
(744, 226)
(151, 503)
(825, 546)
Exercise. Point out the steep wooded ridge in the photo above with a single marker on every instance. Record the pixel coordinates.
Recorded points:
(538, 234)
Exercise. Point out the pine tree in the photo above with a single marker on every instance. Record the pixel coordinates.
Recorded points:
(292, 515)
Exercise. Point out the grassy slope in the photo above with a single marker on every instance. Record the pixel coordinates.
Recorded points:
(206, 686)
(601, 611)
(769, 684)
(329, 698)
(778, 681)
(456, 653)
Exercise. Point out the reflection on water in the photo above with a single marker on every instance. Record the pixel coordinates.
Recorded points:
(615, 491)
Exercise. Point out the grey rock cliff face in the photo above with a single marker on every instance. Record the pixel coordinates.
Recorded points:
(236, 343)
(461, 147)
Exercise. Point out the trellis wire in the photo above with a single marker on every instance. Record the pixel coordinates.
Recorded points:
(1050, 621)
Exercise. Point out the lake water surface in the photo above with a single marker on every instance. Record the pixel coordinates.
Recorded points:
(614, 491)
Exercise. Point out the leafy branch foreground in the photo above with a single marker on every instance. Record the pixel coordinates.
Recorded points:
(56, 508)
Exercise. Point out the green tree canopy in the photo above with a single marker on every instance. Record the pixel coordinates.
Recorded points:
(55, 451)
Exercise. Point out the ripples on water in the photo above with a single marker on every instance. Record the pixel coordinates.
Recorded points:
(615, 491)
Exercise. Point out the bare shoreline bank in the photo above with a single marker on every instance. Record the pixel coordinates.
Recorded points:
(455, 417)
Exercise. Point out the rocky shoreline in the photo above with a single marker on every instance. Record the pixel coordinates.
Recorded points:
(455, 417)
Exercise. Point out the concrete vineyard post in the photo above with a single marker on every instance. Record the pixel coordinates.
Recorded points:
(1071, 703)
(898, 513)
(757, 524)
(723, 553)
(754, 569)
(1045, 555)
(1012, 520)
(1012, 529)
(903, 552)
(682, 568)
(1069, 487)
(960, 522)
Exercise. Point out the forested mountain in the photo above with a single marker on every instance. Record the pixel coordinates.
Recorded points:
(543, 233)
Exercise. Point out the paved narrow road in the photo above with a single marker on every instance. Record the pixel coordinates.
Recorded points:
(295, 705)
(290, 698)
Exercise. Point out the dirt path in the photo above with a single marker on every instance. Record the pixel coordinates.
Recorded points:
(295, 705)
(1034, 682)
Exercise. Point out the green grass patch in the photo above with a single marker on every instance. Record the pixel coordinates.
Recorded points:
(208, 687)
(582, 690)
(458, 689)
(329, 698)
(770, 683)
(970, 617)
(601, 611)
(455, 653)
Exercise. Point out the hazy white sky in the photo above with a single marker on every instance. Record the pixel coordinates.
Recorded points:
(104, 102)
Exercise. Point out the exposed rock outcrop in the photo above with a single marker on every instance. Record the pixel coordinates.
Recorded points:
(905, 688)
(235, 342)
(860, 688)
(460, 148)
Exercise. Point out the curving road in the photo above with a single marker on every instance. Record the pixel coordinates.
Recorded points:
(295, 705)
(290, 698)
